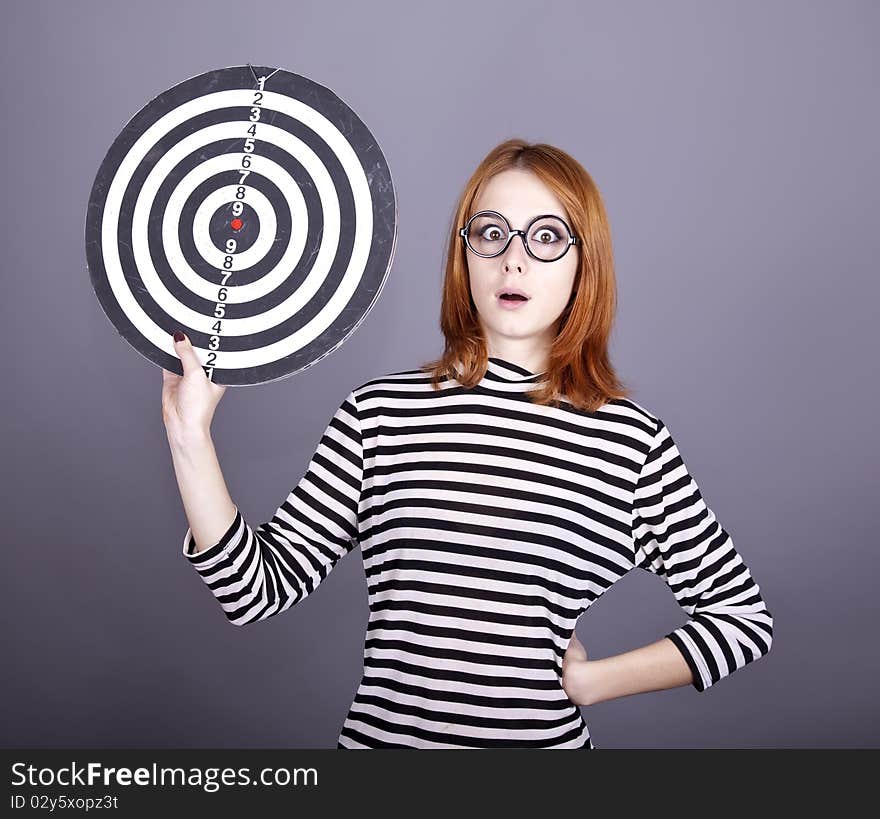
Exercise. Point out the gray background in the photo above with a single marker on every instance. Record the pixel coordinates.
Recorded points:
(736, 147)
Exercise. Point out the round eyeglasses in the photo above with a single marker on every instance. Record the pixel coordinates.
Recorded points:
(546, 238)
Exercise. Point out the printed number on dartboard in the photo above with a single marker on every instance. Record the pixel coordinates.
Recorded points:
(237, 210)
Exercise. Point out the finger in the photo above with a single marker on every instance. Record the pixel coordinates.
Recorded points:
(187, 355)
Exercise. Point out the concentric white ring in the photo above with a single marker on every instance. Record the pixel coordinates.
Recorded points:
(201, 227)
(182, 270)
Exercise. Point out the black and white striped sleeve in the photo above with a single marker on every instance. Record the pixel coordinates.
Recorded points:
(257, 573)
(677, 537)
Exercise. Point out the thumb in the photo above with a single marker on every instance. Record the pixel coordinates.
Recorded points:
(183, 347)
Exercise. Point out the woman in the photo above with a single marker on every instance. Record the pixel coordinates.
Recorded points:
(496, 493)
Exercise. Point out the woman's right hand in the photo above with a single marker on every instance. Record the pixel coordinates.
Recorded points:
(188, 400)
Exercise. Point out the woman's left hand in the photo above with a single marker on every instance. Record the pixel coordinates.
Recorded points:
(574, 667)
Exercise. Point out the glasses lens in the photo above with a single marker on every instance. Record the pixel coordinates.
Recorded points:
(487, 234)
(548, 238)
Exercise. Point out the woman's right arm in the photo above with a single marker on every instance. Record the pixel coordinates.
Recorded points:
(209, 509)
(188, 405)
(255, 573)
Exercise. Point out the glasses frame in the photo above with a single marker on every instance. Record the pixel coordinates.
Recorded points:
(464, 233)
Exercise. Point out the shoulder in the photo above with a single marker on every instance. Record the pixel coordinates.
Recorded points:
(411, 379)
(637, 425)
(639, 413)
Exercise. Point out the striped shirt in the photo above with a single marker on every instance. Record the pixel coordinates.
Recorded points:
(488, 524)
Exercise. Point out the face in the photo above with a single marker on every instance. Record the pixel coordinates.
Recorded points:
(527, 331)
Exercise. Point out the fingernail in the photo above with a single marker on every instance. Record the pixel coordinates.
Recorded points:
(178, 336)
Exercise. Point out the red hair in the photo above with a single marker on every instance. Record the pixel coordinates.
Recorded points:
(579, 366)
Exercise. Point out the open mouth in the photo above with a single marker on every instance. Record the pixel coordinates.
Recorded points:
(512, 297)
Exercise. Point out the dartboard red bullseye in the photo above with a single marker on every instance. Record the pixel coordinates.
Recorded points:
(249, 207)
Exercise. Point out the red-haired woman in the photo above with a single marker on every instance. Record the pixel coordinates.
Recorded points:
(495, 493)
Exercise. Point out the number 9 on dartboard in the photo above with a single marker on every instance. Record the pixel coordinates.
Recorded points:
(252, 209)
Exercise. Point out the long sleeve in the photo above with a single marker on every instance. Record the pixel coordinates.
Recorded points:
(677, 537)
(257, 573)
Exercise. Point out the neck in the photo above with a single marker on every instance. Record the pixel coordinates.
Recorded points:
(530, 358)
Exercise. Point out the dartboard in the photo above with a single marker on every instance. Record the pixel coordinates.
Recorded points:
(250, 208)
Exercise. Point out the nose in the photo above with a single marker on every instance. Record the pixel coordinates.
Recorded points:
(514, 258)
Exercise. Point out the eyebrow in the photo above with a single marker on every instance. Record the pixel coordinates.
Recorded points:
(530, 219)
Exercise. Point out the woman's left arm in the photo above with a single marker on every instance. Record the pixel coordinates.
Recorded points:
(649, 668)
(677, 537)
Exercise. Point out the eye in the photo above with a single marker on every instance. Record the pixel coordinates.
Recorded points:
(546, 235)
(492, 232)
